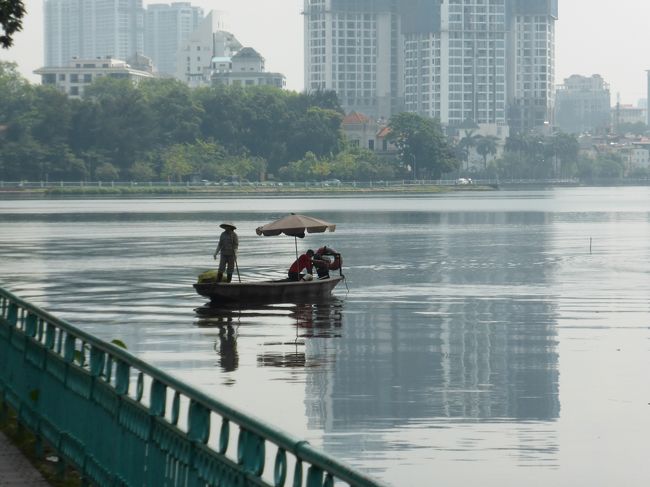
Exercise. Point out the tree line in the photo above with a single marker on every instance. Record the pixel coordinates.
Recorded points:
(160, 129)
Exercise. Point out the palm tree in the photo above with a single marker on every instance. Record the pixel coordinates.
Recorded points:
(466, 143)
(486, 145)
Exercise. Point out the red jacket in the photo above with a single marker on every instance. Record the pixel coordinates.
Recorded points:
(303, 262)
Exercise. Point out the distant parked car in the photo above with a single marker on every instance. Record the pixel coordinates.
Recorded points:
(332, 182)
(463, 181)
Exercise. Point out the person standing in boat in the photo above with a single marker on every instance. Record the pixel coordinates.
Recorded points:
(303, 262)
(228, 245)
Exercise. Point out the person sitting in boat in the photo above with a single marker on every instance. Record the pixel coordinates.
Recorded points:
(304, 262)
(228, 245)
(326, 259)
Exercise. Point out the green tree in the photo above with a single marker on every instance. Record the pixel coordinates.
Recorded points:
(176, 163)
(115, 118)
(633, 128)
(16, 97)
(107, 172)
(266, 120)
(468, 141)
(308, 168)
(142, 171)
(564, 149)
(486, 145)
(422, 145)
(317, 130)
(11, 15)
(176, 114)
(50, 118)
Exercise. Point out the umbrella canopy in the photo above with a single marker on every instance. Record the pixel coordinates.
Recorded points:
(295, 226)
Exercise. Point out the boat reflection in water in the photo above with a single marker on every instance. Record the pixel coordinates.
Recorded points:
(320, 319)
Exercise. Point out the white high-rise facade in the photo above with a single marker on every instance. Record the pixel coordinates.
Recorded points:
(532, 57)
(354, 48)
(458, 73)
(167, 28)
(91, 29)
(488, 62)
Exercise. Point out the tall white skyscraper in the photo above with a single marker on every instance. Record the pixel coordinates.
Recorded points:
(490, 62)
(457, 71)
(92, 28)
(532, 58)
(354, 48)
(167, 29)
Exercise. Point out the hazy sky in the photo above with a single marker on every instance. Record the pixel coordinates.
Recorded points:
(592, 37)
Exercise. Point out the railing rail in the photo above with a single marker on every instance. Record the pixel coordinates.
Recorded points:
(121, 421)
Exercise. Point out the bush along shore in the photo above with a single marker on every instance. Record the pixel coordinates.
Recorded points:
(252, 189)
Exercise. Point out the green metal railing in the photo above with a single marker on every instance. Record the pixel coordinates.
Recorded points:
(120, 421)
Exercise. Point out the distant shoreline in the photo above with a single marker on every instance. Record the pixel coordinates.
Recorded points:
(209, 191)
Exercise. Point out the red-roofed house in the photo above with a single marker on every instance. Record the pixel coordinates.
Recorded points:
(366, 133)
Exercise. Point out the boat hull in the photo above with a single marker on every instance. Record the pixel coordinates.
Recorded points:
(269, 291)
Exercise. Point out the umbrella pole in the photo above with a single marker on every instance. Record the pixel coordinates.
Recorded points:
(296, 242)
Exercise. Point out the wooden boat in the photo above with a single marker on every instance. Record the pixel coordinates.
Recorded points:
(281, 291)
(269, 291)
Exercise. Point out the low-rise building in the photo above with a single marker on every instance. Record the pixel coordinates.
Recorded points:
(245, 68)
(360, 130)
(80, 73)
(209, 40)
(628, 114)
(366, 133)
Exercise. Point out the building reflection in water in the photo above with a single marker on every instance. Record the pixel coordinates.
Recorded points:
(467, 332)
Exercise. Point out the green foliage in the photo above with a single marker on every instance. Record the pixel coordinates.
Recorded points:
(538, 157)
(11, 15)
(119, 343)
(107, 172)
(637, 128)
(422, 145)
(159, 129)
(604, 166)
(350, 164)
(486, 145)
(142, 171)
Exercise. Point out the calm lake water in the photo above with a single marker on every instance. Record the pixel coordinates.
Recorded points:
(494, 339)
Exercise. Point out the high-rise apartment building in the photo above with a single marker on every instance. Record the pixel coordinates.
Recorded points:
(354, 48)
(167, 29)
(490, 62)
(457, 71)
(92, 29)
(532, 63)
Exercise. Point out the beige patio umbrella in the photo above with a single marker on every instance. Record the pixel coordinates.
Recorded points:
(295, 226)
